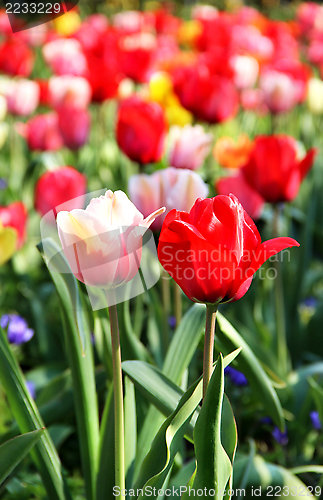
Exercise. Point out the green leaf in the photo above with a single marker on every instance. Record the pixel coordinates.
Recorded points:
(28, 419)
(317, 392)
(105, 475)
(227, 339)
(179, 355)
(269, 480)
(158, 389)
(159, 460)
(213, 464)
(80, 358)
(14, 451)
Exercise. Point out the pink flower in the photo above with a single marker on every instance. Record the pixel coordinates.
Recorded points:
(246, 70)
(189, 146)
(69, 90)
(103, 242)
(65, 57)
(171, 188)
(22, 97)
(42, 132)
(74, 126)
(279, 91)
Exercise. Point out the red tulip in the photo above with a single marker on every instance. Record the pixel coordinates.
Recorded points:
(137, 55)
(74, 125)
(16, 58)
(42, 133)
(59, 187)
(15, 216)
(210, 97)
(236, 184)
(274, 169)
(104, 78)
(141, 130)
(213, 251)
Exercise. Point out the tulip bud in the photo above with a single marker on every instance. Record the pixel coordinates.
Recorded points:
(171, 188)
(213, 251)
(141, 130)
(189, 146)
(15, 216)
(57, 187)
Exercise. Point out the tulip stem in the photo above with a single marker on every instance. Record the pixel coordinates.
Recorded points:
(118, 400)
(211, 310)
(282, 351)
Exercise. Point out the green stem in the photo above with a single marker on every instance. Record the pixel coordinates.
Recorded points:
(211, 310)
(165, 289)
(178, 303)
(118, 400)
(281, 339)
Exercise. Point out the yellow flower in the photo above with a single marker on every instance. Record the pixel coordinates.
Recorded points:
(189, 31)
(315, 96)
(160, 87)
(68, 23)
(8, 242)
(177, 115)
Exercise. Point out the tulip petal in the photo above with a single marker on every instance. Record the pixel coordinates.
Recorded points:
(307, 162)
(269, 248)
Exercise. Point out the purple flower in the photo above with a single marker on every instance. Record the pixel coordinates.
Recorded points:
(17, 328)
(3, 183)
(310, 302)
(315, 419)
(280, 437)
(172, 322)
(266, 421)
(31, 388)
(236, 377)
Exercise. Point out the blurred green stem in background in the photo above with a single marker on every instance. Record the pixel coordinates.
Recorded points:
(118, 400)
(281, 338)
(165, 288)
(211, 310)
(177, 303)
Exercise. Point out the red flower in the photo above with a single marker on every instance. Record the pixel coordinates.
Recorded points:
(236, 184)
(16, 58)
(274, 169)
(213, 251)
(57, 187)
(141, 130)
(210, 97)
(74, 125)
(15, 216)
(42, 133)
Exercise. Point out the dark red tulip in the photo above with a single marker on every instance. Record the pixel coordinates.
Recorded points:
(274, 169)
(59, 187)
(141, 130)
(213, 251)
(15, 216)
(16, 58)
(74, 126)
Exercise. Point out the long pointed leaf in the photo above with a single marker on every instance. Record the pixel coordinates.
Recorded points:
(12, 452)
